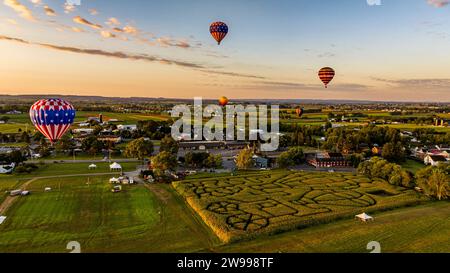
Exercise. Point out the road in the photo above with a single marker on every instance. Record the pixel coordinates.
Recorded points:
(50, 161)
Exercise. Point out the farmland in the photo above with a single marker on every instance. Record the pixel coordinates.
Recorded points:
(245, 206)
(155, 218)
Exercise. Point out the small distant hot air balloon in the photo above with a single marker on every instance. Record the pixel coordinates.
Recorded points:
(218, 30)
(326, 74)
(52, 117)
(223, 101)
(299, 111)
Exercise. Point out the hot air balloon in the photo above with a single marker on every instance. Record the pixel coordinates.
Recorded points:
(223, 101)
(326, 74)
(218, 30)
(299, 111)
(52, 117)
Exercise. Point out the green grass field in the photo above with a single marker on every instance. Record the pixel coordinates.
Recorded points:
(154, 218)
(138, 219)
(412, 165)
(245, 206)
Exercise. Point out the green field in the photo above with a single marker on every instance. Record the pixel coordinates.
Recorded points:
(245, 206)
(412, 165)
(138, 219)
(154, 218)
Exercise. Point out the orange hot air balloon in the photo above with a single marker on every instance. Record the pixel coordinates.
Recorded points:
(299, 111)
(326, 74)
(223, 101)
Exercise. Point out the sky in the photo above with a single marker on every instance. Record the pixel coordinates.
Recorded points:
(395, 51)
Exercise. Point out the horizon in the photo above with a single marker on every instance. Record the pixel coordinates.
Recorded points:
(112, 48)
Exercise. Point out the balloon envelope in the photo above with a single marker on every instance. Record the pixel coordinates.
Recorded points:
(223, 101)
(218, 30)
(299, 112)
(52, 117)
(326, 74)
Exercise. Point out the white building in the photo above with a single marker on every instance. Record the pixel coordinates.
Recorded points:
(131, 127)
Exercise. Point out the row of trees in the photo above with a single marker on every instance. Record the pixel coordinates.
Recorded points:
(293, 156)
(393, 173)
(434, 181)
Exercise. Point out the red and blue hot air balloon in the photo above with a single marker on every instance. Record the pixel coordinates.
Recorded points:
(52, 117)
(218, 30)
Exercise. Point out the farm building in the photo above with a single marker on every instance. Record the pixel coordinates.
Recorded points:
(127, 127)
(327, 160)
(434, 160)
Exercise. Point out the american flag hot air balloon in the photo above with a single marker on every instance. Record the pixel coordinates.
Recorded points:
(52, 117)
(326, 74)
(218, 30)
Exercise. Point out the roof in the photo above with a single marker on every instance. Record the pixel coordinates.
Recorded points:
(115, 165)
(439, 158)
(364, 216)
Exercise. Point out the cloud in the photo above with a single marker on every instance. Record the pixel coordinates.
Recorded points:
(166, 42)
(20, 9)
(49, 11)
(130, 29)
(135, 57)
(107, 34)
(93, 12)
(11, 21)
(113, 22)
(36, 2)
(76, 29)
(232, 74)
(115, 54)
(326, 55)
(417, 83)
(68, 8)
(85, 22)
(438, 3)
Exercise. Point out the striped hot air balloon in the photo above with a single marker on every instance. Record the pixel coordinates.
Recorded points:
(299, 111)
(52, 117)
(326, 74)
(218, 30)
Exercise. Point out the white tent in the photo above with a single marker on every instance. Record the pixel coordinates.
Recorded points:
(2, 219)
(114, 180)
(115, 167)
(364, 217)
(92, 167)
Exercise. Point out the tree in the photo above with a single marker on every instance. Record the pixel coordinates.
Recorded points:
(163, 162)
(25, 138)
(213, 161)
(139, 148)
(284, 160)
(244, 160)
(393, 152)
(4, 119)
(64, 144)
(435, 181)
(169, 144)
(292, 157)
(92, 145)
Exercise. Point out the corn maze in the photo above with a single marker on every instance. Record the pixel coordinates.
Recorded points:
(244, 206)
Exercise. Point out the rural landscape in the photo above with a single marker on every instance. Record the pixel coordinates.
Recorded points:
(260, 127)
(204, 197)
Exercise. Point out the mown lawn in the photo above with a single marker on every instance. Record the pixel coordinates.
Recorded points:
(412, 165)
(80, 209)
